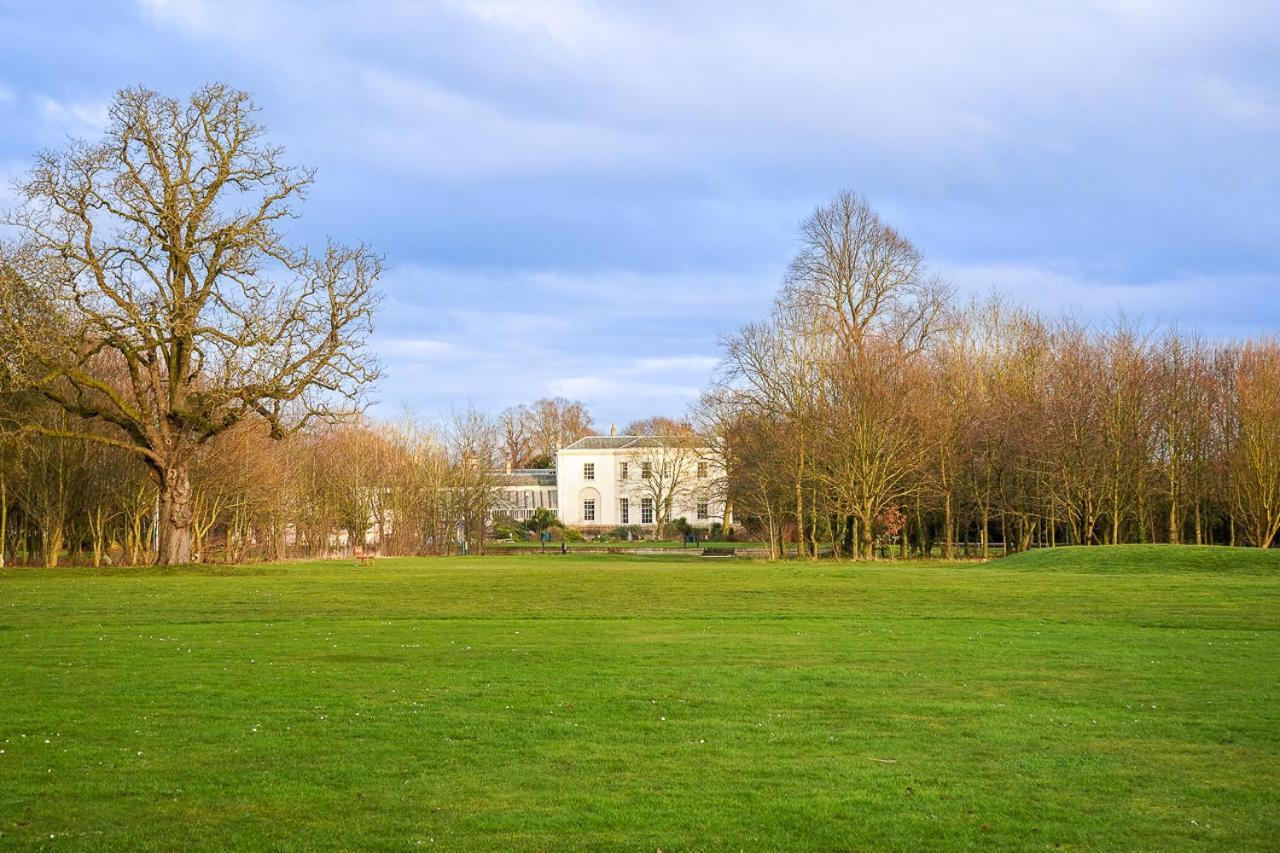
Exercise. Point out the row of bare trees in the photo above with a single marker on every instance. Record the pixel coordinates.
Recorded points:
(532, 433)
(399, 488)
(868, 407)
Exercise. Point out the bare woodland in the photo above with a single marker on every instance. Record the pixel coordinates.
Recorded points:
(870, 408)
(180, 383)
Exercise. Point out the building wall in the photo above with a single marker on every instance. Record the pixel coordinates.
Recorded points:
(607, 488)
(574, 488)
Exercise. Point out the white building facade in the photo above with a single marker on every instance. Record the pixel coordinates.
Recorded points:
(609, 481)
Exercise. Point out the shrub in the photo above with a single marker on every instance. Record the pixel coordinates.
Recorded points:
(506, 527)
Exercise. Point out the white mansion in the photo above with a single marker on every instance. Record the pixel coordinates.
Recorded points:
(607, 481)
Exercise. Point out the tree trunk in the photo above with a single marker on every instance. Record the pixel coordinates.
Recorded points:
(800, 545)
(984, 535)
(175, 516)
(51, 543)
(919, 528)
(813, 527)
(1027, 530)
(97, 533)
(948, 542)
(867, 535)
(773, 532)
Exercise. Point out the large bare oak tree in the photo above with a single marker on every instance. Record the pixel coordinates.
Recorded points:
(172, 306)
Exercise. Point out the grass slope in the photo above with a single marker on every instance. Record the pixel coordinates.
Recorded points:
(584, 701)
(1149, 558)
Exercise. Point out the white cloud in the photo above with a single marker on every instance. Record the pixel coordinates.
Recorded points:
(416, 124)
(624, 343)
(190, 14)
(1228, 305)
(1237, 102)
(578, 196)
(73, 117)
(11, 171)
(697, 363)
(415, 349)
(665, 385)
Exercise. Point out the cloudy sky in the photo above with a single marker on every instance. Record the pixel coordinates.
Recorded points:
(578, 198)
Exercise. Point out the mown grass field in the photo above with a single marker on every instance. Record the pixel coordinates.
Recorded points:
(1105, 698)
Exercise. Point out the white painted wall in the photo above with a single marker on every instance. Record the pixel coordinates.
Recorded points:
(573, 489)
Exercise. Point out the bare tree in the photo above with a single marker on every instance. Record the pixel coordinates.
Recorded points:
(473, 482)
(1256, 457)
(555, 423)
(515, 427)
(858, 279)
(659, 425)
(158, 249)
(871, 440)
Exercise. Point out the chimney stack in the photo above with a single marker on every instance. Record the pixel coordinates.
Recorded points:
(613, 429)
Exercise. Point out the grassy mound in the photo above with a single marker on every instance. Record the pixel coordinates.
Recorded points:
(1148, 559)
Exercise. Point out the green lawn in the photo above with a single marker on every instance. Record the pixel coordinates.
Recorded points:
(636, 543)
(1090, 698)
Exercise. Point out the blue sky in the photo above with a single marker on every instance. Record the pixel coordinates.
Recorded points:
(578, 198)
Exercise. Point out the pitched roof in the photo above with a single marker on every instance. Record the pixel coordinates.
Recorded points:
(623, 442)
(529, 477)
(601, 442)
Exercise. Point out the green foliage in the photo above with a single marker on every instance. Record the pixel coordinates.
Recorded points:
(679, 527)
(542, 519)
(626, 702)
(506, 527)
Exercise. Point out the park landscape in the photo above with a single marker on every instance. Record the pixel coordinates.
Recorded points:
(1113, 697)
(906, 565)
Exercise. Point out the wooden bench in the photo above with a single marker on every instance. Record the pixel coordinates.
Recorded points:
(363, 560)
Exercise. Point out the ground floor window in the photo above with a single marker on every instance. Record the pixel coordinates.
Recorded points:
(646, 510)
(702, 510)
(624, 511)
(589, 510)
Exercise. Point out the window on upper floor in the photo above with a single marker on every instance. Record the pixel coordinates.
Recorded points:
(589, 510)
(703, 514)
(646, 469)
(702, 470)
(588, 470)
(622, 471)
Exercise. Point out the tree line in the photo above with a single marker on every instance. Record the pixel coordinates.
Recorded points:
(404, 487)
(870, 408)
(174, 369)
